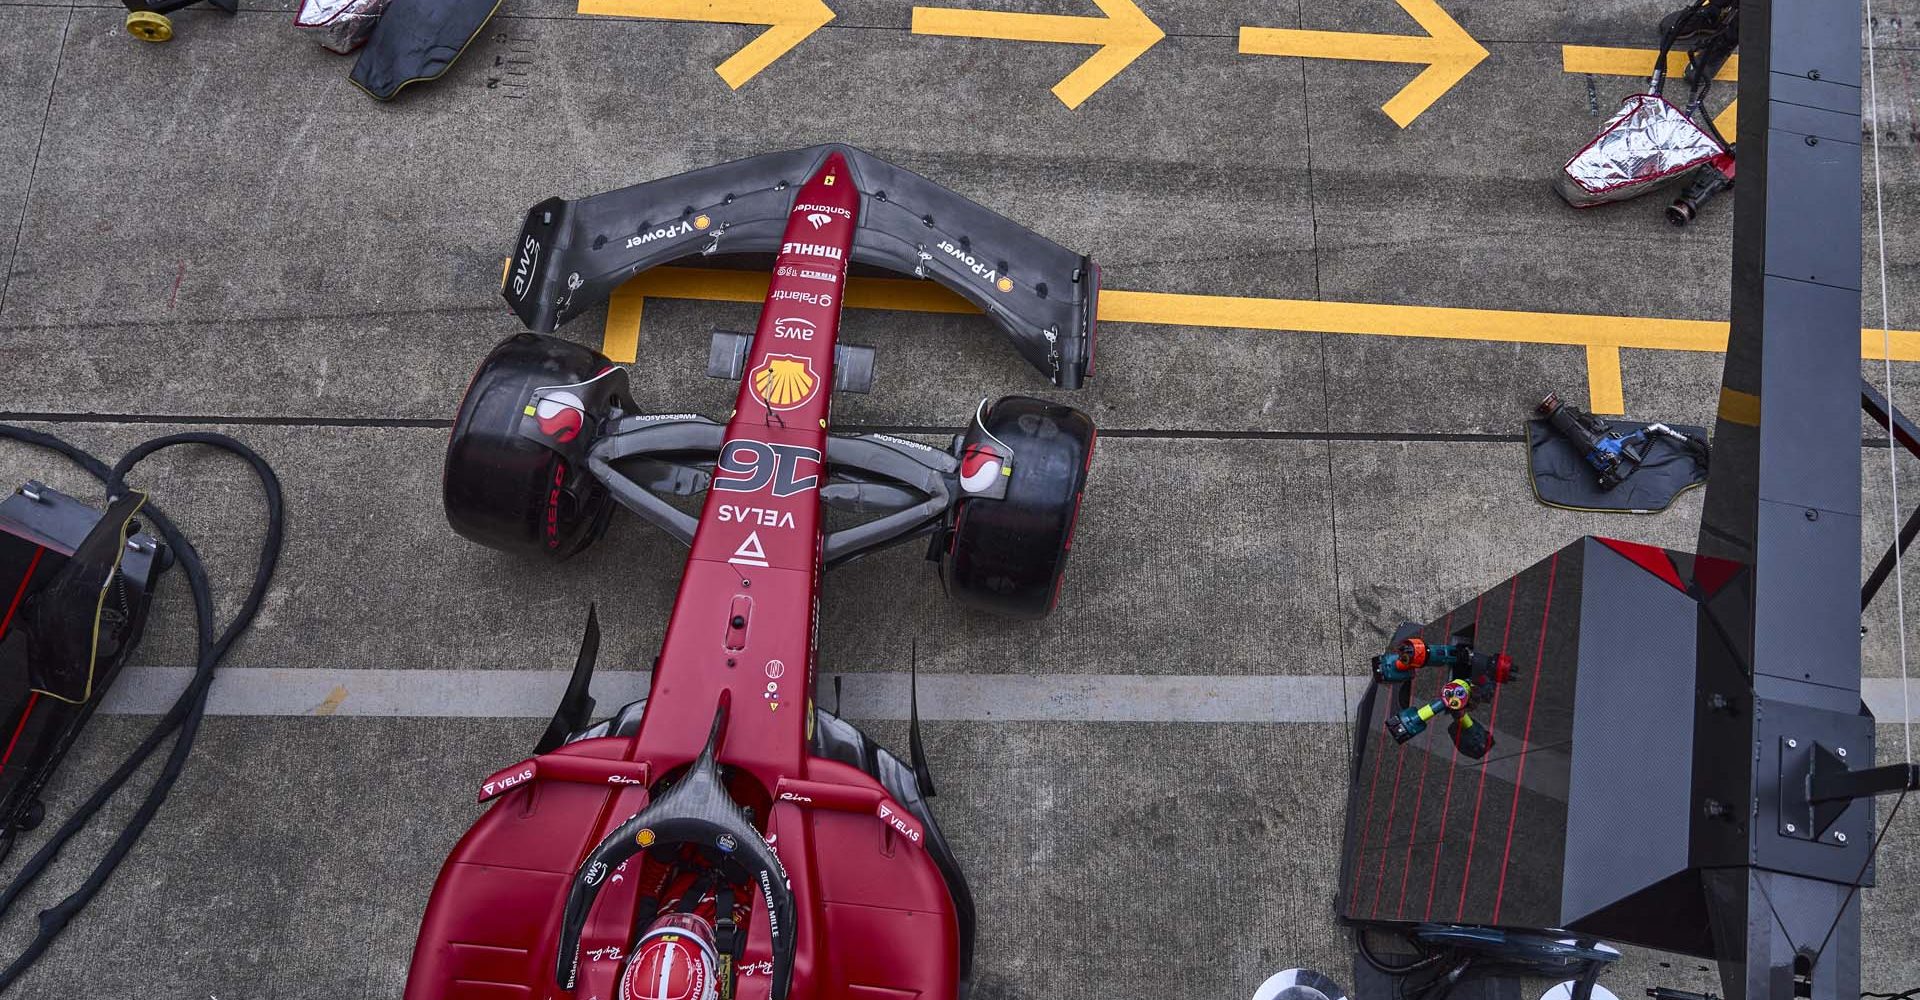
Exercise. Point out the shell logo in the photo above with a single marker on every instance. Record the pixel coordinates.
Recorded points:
(785, 381)
(701, 222)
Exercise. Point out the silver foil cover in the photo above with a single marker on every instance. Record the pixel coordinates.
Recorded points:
(1647, 143)
(340, 25)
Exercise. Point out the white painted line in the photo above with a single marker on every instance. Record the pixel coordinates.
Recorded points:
(534, 693)
(528, 694)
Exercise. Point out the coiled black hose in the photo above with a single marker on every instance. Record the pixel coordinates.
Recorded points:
(185, 715)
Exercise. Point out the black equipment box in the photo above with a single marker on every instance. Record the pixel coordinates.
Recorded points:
(75, 585)
(1618, 724)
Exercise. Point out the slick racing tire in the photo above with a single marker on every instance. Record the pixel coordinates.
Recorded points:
(511, 492)
(1009, 556)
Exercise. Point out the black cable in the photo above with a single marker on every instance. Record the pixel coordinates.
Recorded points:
(1426, 960)
(1441, 984)
(1704, 62)
(185, 715)
(1905, 995)
(1453, 978)
(1680, 22)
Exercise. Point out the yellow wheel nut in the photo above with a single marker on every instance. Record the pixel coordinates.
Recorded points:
(149, 26)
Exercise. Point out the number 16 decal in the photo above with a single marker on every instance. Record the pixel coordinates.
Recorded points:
(750, 466)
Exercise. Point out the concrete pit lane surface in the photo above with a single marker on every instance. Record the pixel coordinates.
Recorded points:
(1332, 293)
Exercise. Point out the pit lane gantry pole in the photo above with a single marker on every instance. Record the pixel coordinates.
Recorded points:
(1785, 497)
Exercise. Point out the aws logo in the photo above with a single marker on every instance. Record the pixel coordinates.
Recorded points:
(529, 258)
(793, 329)
(785, 381)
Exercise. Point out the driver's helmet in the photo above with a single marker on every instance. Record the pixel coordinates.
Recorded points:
(674, 960)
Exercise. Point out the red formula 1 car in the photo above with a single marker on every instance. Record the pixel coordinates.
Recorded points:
(723, 837)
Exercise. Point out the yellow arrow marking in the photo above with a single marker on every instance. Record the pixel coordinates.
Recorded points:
(788, 22)
(1448, 52)
(1639, 62)
(1602, 336)
(1124, 33)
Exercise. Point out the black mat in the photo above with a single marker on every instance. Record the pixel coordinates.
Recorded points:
(418, 40)
(1562, 477)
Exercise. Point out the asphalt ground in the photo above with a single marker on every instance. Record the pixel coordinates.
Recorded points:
(222, 233)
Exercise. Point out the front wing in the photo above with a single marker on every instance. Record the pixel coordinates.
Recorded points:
(571, 255)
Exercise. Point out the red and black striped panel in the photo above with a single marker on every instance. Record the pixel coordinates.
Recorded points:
(20, 561)
(23, 563)
(1438, 836)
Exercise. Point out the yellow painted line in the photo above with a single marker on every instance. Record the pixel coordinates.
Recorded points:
(1604, 391)
(626, 308)
(1436, 322)
(788, 23)
(1632, 62)
(1739, 407)
(1604, 61)
(1448, 52)
(903, 294)
(1601, 336)
(1124, 32)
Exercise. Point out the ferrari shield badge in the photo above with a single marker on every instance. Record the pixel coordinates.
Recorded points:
(784, 381)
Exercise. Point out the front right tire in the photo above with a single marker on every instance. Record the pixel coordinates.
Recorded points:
(509, 491)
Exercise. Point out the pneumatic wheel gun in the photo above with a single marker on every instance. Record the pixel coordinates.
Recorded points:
(1613, 456)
